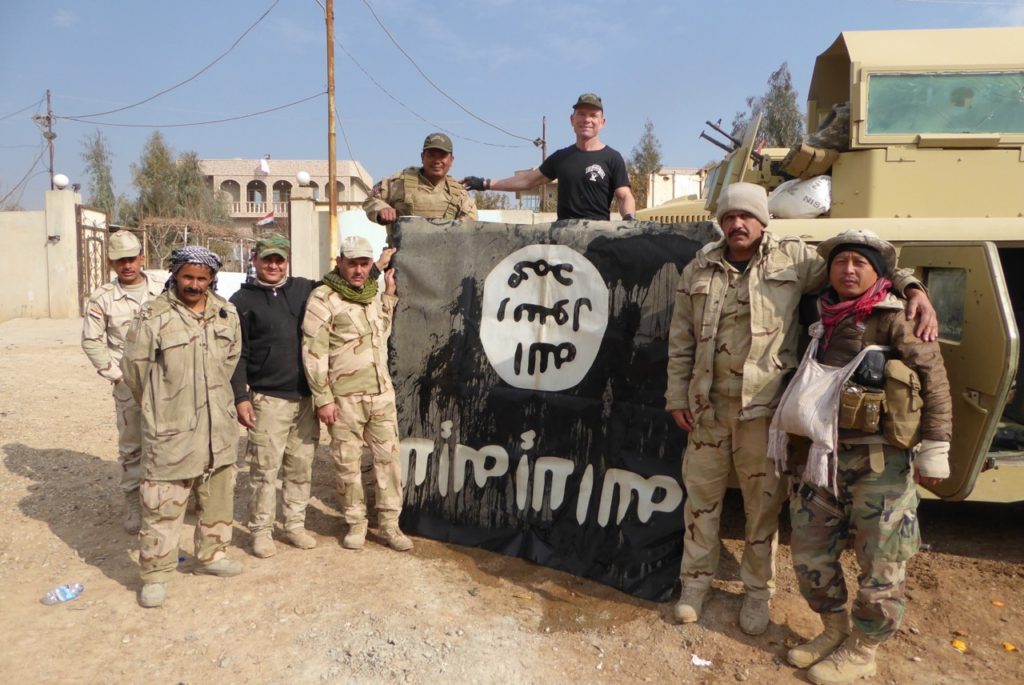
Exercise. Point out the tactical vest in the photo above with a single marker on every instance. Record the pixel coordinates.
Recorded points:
(435, 205)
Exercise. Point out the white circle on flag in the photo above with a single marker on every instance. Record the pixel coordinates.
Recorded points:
(545, 311)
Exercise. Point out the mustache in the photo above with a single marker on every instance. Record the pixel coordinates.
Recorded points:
(195, 291)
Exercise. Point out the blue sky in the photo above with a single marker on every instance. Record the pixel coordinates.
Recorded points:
(508, 62)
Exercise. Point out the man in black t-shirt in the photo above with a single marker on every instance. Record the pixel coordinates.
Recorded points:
(590, 174)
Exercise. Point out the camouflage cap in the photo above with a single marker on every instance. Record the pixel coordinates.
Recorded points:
(123, 244)
(273, 244)
(591, 99)
(356, 247)
(438, 141)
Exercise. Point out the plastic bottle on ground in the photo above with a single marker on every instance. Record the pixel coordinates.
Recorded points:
(62, 593)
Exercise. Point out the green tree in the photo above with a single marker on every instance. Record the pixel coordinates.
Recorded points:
(489, 200)
(783, 122)
(644, 161)
(155, 176)
(97, 157)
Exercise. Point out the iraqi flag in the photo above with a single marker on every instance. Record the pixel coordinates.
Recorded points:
(268, 219)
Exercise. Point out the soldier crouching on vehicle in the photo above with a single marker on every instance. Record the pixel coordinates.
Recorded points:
(178, 360)
(857, 486)
(344, 349)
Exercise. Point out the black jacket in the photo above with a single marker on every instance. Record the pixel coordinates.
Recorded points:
(271, 319)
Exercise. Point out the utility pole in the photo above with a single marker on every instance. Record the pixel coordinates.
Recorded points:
(542, 143)
(46, 122)
(332, 157)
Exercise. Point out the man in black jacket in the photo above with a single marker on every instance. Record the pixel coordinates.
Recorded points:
(273, 398)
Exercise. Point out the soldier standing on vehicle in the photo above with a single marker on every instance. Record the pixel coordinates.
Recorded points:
(732, 343)
(426, 191)
(590, 174)
(178, 360)
(860, 493)
(108, 315)
(272, 396)
(344, 349)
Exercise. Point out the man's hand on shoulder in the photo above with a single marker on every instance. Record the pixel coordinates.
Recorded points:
(475, 183)
(919, 306)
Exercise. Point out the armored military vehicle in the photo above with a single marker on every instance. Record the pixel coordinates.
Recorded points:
(922, 135)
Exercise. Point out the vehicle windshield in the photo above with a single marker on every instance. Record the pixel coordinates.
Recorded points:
(991, 102)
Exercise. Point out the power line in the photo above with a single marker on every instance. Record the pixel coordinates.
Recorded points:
(435, 86)
(42, 151)
(23, 109)
(410, 109)
(341, 125)
(196, 123)
(190, 78)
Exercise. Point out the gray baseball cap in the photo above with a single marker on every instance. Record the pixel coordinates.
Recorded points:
(356, 247)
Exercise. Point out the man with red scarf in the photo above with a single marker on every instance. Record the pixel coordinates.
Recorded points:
(732, 346)
(870, 501)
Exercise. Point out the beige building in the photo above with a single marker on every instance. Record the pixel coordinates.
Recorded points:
(672, 182)
(255, 188)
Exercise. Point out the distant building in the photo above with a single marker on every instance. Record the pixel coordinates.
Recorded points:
(672, 182)
(257, 188)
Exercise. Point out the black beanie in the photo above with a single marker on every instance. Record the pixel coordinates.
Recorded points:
(869, 253)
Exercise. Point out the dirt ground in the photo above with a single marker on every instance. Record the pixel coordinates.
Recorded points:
(329, 615)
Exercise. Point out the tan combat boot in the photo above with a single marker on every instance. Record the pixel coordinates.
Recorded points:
(854, 659)
(132, 512)
(356, 536)
(687, 609)
(395, 538)
(837, 628)
(152, 595)
(223, 567)
(300, 537)
(754, 615)
(263, 544)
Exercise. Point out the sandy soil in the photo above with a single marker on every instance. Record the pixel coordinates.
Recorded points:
(440, 612)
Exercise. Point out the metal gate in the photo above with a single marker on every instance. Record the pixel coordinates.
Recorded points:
(92, 253)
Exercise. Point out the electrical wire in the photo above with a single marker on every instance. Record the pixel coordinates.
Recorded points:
(14, 189)
(190, 78)
(434, 85)
(23, 109)
(196, 123)
(410, 109)
(341, 125)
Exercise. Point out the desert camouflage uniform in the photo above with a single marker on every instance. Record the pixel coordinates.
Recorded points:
(732, 342)
(344, 350)
(412, 194)
(108, 315)
(178, 364)
(875, 512)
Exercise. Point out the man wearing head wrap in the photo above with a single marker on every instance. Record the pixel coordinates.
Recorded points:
(732, 345)
(180, 353)
(108, 314)
(345, 353)
(426, 190)
(862, 495)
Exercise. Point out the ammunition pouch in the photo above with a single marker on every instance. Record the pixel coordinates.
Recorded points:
(901, 422)
(860, 408)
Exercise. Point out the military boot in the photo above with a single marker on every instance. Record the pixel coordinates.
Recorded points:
(395, 538)
(132, 512)
(263, 544)
(837, 628)
(299, 537)
(687, 609)
(356, 536)
(152, 595)
(854, 659)
(223, 567)
(754, 615)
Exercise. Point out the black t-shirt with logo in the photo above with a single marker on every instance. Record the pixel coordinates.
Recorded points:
(587, 181)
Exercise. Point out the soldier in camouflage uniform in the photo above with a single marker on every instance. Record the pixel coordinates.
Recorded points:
(732, 343)
(871, 502)
(426, 191)
(108, 314)
(344, 350)
(181, 351)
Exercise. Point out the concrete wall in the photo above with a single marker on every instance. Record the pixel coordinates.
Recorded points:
(40, 279)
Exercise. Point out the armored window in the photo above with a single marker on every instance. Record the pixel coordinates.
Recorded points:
(947, 288)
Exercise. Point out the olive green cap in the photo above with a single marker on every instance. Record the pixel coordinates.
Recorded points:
(273, 244)
(123, 244)
(438, 141)
(591, 99)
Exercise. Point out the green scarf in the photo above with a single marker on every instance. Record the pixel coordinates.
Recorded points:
(339, 285)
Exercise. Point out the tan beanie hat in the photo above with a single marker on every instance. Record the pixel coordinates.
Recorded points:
(746, 197)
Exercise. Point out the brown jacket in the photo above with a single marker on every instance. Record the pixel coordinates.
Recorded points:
(893, 329)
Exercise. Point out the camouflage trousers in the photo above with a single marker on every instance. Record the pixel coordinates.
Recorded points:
(285, 439)
(876, 513)
(714, 447)
(373, 420)
(163, 513)
(129, 437)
